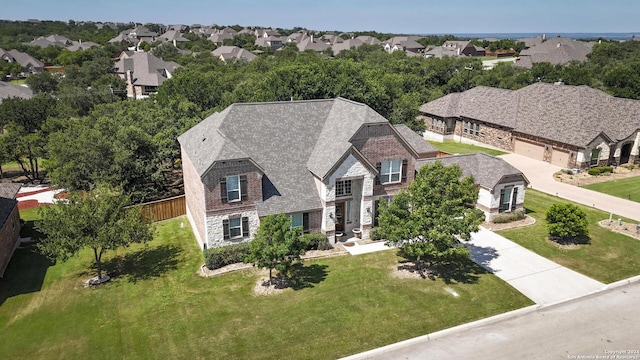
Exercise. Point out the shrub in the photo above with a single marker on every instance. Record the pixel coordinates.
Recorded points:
(566, 221)
(216, 258)
(567, 171)
(375, 234)
(598, 170)
(629, 166)
(508, 217)
(316, 241)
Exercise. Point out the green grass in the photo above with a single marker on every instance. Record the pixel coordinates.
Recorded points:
(628, 188)
(607, 258)
(18, 81)
(158, 307)
(453, 147)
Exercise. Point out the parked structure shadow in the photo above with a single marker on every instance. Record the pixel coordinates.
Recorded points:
(147, 263)
(25, 273)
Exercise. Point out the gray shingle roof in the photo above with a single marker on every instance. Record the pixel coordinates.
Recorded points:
(290, 141)
(572, 115)
(556, 51)
(8, 193)
(419, 144)
(10, 90)
(487, 170)
(25, 60)
(233, 52)
(147, 69)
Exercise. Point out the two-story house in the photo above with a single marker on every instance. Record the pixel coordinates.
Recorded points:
(325, 163)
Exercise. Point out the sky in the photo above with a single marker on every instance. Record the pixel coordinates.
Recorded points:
(385, 16)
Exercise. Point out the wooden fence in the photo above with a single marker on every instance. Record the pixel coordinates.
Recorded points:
(165, 209)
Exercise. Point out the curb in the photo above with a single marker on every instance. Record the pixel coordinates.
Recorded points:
(442, 333)
(622, 282)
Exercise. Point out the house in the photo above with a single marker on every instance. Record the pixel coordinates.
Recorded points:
(464, 48)
(346, 45)
(173, 36)
(30, 65)
(440, 51)
(265, 33)
(81, 45)
(556, 51)
(501, 186)
(9, 223)
(226, 53)
(325, 163)
(403, 43)
(51, 40)
(272, 42)
(135, 35)
(311, 43)
(12, 91)
(144, 73)
(370, 40)
(568, 126)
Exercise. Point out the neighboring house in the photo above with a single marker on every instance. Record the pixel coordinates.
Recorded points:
(51, 40)
(135, 35)
(81, 45)
(272, 42)
(568, 126)
(501, 186)
(297, 37)
(9, 223)
(311, 43)
(265, 33)
(403, 43)
(173, 36)
(370, 40)
(440, 51)
(346, 45)
(324, 163)
(556, 51)
(14, 91)
(331, 39)
(226, 53)
(30, 65)
(144, 73)
(464, 48)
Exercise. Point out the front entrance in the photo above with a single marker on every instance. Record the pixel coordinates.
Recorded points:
(625, 152)
(340, 217)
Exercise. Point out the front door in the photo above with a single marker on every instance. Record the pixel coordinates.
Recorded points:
(340, 217)
(625, 152)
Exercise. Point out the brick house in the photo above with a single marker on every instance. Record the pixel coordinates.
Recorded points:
(501, 187)
(568, 126)
(325, 163)
(9, 223)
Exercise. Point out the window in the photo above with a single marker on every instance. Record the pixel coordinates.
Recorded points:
(146, 90)
(508, 199)
(470, 128)
(347, 211)
(296, 220)
(390, 171)
(343, 187)
(235, 227)
(595, 156)
(233, 188)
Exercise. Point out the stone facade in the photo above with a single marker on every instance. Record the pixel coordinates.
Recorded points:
(489, 134)
(215, 233)
(489, 200)
(9, 238)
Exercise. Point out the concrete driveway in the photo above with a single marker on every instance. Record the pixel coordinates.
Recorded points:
(538, 278)
(540, 174)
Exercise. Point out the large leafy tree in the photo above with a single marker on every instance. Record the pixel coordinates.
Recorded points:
(97, 220)
(276, 245)
(428, 220)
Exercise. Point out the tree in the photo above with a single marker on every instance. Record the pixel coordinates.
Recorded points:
(97, 220)
(276, 245)
(43, 82)
(566, 222)
(428, 219)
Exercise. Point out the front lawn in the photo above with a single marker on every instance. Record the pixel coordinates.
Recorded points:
(609, 256)
(453, 147)
(628, 188)
(158, 307)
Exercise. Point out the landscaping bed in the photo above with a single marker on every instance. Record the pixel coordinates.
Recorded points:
(583, 178)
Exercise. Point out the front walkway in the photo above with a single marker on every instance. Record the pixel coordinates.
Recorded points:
(538, 278)
(540, 174)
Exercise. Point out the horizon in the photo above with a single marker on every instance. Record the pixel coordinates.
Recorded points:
(405, 17)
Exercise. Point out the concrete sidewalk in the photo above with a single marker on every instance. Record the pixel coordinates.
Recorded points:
(358, 249)
(540, 174)
(538, 278)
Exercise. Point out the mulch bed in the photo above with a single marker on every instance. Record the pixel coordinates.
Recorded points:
(29, 204)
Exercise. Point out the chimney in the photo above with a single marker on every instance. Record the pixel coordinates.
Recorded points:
(174, 43)
(311, 37)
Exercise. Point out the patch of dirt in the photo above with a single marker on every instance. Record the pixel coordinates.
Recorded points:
(528, 220)
(275, 287)
(409, 270)
(583, 178)
(625, 228)
(564, 246)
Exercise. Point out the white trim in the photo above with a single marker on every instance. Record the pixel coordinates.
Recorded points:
(391, 172)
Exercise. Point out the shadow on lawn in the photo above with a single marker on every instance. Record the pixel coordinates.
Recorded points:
(146, 263)
(302, 277)
(450, 271)
(25, 273)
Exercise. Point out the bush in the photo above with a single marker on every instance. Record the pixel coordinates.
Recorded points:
(599, 170)
(629, 166)
(508, 217)
(216, 258)
(375, 234)
(566, 221)
(316, 241)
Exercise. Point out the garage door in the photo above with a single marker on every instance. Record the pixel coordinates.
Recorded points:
(529, 149)
(559, 158)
